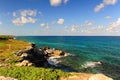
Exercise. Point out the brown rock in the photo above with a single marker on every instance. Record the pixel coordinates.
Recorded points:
(57, 52)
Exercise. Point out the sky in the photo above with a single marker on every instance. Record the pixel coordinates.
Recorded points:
(60, 17)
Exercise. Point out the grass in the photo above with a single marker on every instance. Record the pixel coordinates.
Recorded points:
(8, 47)
(32, 73)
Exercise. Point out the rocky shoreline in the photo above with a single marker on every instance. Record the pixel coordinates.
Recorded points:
(31, 55)
(39, 57)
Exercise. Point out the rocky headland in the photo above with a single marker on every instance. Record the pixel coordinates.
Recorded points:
(15, 53)
(39, 57)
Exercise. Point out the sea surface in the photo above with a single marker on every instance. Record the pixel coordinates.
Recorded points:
(86, 50)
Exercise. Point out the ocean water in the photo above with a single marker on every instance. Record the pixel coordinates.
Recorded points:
(87, 49)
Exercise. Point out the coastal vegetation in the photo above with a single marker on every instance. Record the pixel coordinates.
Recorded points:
(32, 73)
(11, 48)
(8, 58)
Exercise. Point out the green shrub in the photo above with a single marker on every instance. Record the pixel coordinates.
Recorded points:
(31, 73)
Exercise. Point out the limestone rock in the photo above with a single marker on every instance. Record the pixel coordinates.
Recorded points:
(57, 52)
(99, 77)
(84, 76)
(7, 78)
(24, 63)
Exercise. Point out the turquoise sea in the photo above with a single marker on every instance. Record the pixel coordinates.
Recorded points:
(86, 49)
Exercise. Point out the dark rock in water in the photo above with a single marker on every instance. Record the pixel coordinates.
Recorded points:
(46, 48)
(34, 55)
(37, 56)
(62, 53)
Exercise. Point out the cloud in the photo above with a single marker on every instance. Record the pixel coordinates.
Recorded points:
(60, 21)
(89, 23)
(28, 13)
(107, 17)
(0, 23)
(23, 20)
(44, 25)
(26, 16)
(103, 4)
(113, 25)
(99, 7)
(109, 2)
(57, 2)
(73, 28)
(65, 1)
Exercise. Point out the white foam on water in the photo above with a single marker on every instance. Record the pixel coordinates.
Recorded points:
(54, 61)
(91, 64)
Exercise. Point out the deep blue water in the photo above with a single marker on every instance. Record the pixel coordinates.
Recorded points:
(86, 48)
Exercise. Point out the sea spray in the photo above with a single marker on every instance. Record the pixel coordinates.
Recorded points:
(91, 64)
(53, 60)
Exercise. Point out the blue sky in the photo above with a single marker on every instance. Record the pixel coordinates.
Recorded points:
(60, 17)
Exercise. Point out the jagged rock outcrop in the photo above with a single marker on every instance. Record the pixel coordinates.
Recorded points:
(37, 56)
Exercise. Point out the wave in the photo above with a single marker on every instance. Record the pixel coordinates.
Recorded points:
(54, 60)
(91, 64)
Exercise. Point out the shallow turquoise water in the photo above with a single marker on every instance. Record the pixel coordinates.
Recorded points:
(86, 48)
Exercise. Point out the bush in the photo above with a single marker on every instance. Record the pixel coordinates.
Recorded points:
(32, 73)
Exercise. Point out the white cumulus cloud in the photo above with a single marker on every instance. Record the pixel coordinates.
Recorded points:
(26, 16)
(60, 21)
(57, 2)
(103, 4)
(73, 28)
(23, 20)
